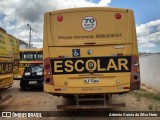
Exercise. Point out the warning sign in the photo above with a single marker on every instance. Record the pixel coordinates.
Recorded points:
(89, 23)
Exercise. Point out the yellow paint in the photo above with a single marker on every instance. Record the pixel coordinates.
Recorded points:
(57, 66)
(6, 60)
(111, 64)
(122, 62)
(110, 37)
(76, 65)
(69, 66)
(98, 66)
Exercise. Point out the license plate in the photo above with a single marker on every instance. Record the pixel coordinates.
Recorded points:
(90, 80)
(27, 73)
(32, 82)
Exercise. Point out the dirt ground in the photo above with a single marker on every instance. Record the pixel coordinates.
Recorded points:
(37, 100)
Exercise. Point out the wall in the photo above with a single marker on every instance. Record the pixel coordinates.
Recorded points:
(150, 71)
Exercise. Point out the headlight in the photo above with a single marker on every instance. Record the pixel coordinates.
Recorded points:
(27, 73)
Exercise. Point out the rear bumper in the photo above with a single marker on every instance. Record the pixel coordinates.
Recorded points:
(86, 90)
(26, 82)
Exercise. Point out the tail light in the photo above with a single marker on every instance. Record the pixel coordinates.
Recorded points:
(60, 18)
(48, 78)
(47, 66)
(135, 73)
(118, 16)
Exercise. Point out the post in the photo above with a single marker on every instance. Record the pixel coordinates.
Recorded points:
(29, 44)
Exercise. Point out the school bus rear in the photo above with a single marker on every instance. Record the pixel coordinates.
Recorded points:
(6, 61)
(90, 50)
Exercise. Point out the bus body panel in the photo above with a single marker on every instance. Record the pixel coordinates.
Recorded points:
(104, 32)
(112, 38)
(15, 48)
(6, 61)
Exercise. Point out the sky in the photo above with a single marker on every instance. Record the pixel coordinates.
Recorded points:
(16, 14)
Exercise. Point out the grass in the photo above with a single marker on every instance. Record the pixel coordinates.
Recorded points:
(148, 95)
(143, 93)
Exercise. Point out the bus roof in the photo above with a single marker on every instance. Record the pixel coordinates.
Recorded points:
(34, 49)
(2, 30)
(89, 9)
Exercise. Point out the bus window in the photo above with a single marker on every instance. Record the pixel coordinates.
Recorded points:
(40, 56)
(29, 56)
(21, 55)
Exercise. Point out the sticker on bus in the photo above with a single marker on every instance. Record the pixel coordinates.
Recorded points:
(89, 65)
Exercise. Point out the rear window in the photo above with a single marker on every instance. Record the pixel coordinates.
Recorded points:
(34, 68)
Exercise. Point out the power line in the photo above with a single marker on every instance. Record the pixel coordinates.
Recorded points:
(37, 36)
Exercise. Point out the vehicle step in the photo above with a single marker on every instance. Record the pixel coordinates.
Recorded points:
(90, 99)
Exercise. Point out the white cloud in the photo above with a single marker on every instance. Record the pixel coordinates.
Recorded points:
(19, 13)
(148, 41)
(147, 28)
(148, 50)
(149, 45)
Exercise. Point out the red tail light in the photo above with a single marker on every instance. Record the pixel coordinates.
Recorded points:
(118, 16)
(61, 56)
(46, 66)
(60, 18)
(119, 54)
(48, 77)
(135, 73)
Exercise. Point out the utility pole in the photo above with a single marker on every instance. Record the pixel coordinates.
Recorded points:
(29, 45)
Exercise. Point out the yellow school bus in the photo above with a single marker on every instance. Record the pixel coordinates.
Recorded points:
(6, 60)
(28, 57)
(90, 51)
(15, 48)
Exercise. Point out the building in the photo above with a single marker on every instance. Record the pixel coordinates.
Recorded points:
(22, 44)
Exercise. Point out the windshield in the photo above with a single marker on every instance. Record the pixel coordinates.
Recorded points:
(34, 68)
(37, 68)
